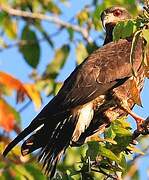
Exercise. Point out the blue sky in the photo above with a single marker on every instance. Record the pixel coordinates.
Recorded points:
(11, 61)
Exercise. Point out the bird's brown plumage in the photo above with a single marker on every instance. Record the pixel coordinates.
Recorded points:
(83, 103)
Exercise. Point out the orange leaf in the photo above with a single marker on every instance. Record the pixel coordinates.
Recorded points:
(13, 84)
(7, 118)
(33, 94)
(10, 81)
(135, 92)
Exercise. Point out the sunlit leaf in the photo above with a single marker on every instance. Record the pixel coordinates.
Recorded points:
(117, 33)
(81, 53)
(121, 131)
(23, 172)
(109, 133)
(33, 94)
(122, 161)
(57, 87)
(10, 27)
(53, 8)
(124, 29)
(58, 62)
(135, 92)
(145, 34)
(83, 16)
(35, 171)
(30, 47)
(7, 116)
(12, 83)
(96, 16)
(108, 153)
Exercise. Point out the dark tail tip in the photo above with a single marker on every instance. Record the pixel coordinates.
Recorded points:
(19, 138)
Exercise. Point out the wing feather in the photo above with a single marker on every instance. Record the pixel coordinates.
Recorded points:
(107, 67)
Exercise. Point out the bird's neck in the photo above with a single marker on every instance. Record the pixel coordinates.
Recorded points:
(109, 33)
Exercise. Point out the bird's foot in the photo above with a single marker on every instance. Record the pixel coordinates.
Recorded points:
(139, 120)
(143, 128)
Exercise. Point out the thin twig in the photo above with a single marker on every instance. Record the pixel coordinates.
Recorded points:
(25, 106)
(52, 19)
(28, 42)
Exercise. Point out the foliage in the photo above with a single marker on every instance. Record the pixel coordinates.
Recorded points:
(103, 158)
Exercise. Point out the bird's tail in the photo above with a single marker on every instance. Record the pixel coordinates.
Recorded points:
(57, 144)
(53, 141)
(34, 125)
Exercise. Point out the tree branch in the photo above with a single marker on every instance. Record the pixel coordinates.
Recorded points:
(52, 19)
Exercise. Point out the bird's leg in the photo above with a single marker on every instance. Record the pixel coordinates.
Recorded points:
(139, 120)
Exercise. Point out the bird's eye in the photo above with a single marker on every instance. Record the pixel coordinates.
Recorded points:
(117, 12)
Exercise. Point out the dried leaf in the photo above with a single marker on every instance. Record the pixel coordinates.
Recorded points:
(135, 92)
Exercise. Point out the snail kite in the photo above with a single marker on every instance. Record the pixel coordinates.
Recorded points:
(96, 91)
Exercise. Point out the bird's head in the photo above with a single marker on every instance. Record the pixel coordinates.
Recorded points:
(111, 16)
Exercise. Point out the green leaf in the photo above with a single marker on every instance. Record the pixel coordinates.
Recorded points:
(30, 47)
(20, 170)
(96, 17)
(121, 131)
(93, 150)
(81, 53)
(35, 171)
(108, 153)
(117, 32)
(57, 87)
(109, 133)
(122, 161)
(124, 29)
(71, 33)
(129, 29)
(58, 62)
(3, 15)
(91, 47)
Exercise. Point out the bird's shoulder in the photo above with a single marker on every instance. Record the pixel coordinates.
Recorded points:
(99, 72)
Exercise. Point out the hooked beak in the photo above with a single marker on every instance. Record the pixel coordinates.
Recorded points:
(108, 19)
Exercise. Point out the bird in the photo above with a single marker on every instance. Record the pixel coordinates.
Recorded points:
(95, 93)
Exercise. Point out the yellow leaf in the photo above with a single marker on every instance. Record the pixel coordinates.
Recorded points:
(33, 94)
(134, 91)
(10, 27)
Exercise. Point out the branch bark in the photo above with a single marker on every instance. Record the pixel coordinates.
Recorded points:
(52, 19)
